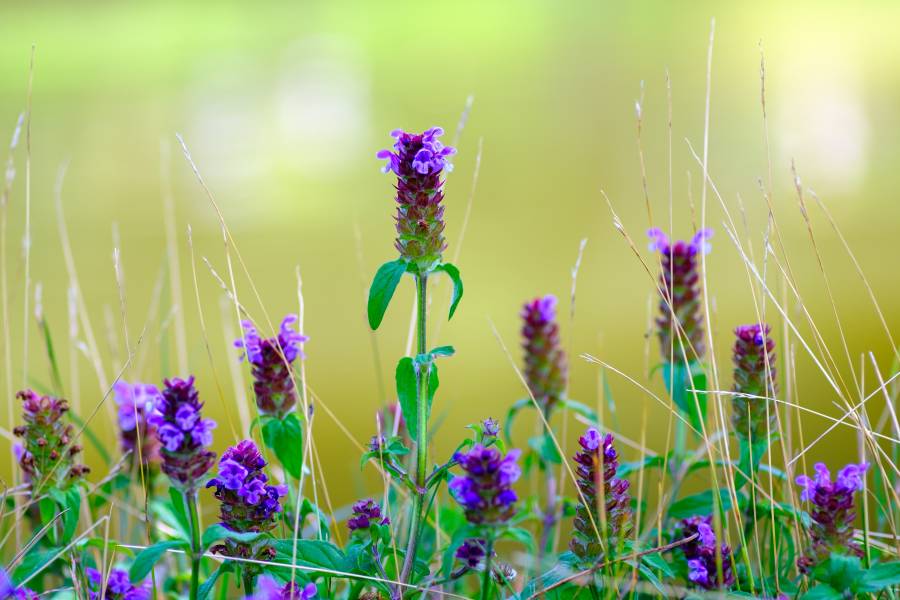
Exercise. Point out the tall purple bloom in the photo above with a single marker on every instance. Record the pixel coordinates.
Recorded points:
(754, 375)
(136, 402)
(546, 370)
(833, 512)
(46, 454)
(700, 554)
(269, 589)
(418, 160)
(679, 282)
(118, 586)
(270, 362)
(183, 434)
(248, 502)
(485, 491)
(366, 512)
(597, 465)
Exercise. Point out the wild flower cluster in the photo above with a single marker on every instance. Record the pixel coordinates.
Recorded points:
(560, 514)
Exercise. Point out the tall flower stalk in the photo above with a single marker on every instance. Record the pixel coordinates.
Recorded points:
(185, 437)
(418, 161)
(704, 555)
(753, 413)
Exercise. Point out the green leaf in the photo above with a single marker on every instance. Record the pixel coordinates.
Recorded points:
(149, 556)
(554, 575)
(313, 553)
(285, 438)
(748, 463)
(879, 576)
(71, 501)
(678, 379)
(511, 415)
(699, 504)
(442, 351)
(207, 586)
(822, 592)
(217, 532)
(518, 534)
(407, 391)
(840, 571)
(648, 462)
(453, 272)
(382, 290)
(34, 562)
(545, 448)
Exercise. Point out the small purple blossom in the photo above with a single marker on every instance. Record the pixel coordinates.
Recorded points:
(8, 590)
(833, 511)
(680, 310)
(490, 428)
(366, 512)
(269, 589)
(136, 402)
(485, 491)
(118, 586)
(701, 553)
(271, 361)
(247, 502)
(755, 383)
(472, 552)
(597, 464)
(184, 434)
(546, 368)
(418, 160)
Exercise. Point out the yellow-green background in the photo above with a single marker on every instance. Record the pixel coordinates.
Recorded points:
(284, 105)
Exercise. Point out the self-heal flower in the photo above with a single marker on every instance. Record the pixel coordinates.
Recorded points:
(546, 369)
(118, 586)
(418, 160)
(366, 512)
(680, 320)
(184, 434)
(472, 552)
(136, 402)
(833, 511)
(754, 375)
(597, 463)
(485, 491)
(247, 503)
(269, 589)
(271, 361)
(490, 428)
(700, 554)
(47, 454)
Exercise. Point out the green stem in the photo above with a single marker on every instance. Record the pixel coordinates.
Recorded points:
(247, 580)
(486, 577)
(422, 373)
(196, 550)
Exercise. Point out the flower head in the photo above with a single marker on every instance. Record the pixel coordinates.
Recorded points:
(833, 511)
(183, 433)
(701, 554)
(247, 502)
(366, 512)
(597, 463)
(136, 402)
(754, 382)
(485, 491)
(47, 453)
(546, 369)
(271, 361)
(418, 160)
(472, 552)
(679, 304)
(490, 428)
(269, 589)
(118, 586)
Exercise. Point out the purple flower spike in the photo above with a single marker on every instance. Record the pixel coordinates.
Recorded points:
(118, 586)
(418, 160)
(366, 512)
(248, 502)
(597, 464)
(269, 589)
(46, 454)
(485, 491)
(271, 361)
(700, 554)
(136, 402)
(833, 511)
(184, 434)
(679, 282)
(754, 375)
(546, 368)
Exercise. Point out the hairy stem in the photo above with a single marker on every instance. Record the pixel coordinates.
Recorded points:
(196, 550)
(486, 577)
(422, 373)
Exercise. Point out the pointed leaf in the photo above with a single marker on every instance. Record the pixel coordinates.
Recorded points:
(453, 272)
(382, 290)
(149, 556)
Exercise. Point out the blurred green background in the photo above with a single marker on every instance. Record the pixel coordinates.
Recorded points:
(284, 105)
